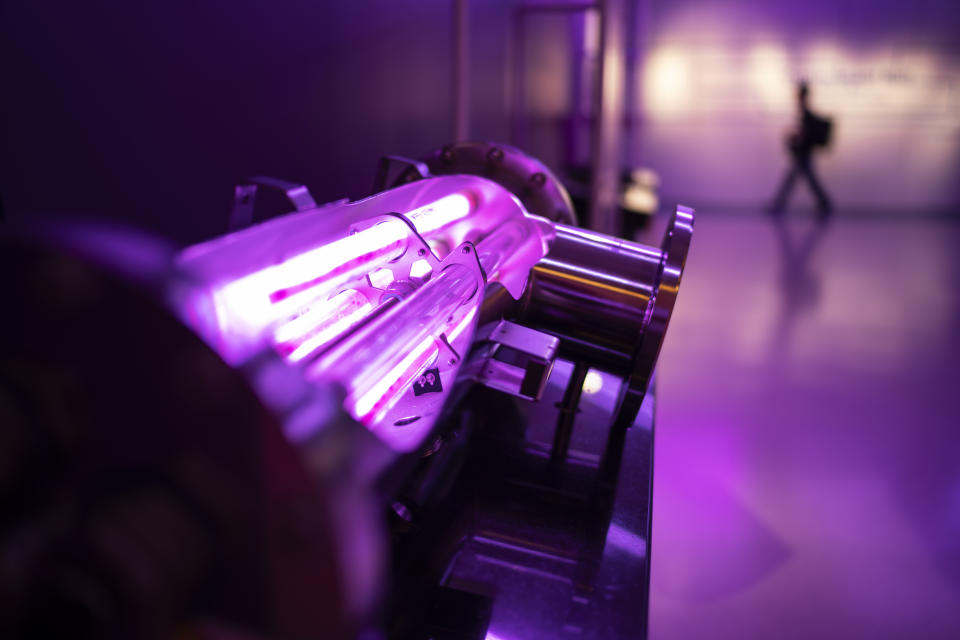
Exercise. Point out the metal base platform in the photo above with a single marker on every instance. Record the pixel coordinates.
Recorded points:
(524, 545)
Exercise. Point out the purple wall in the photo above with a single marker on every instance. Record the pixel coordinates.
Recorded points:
(715, 97)
(150, 112)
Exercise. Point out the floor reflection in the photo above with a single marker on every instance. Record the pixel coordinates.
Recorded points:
(799, 278)
(808, 453)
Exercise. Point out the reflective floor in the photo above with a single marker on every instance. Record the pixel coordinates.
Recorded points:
(807, 479)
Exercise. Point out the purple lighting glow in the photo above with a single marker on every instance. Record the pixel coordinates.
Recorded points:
(352, 296)
(441, 213)
(717, 77)
(322, 322)
(293, 293)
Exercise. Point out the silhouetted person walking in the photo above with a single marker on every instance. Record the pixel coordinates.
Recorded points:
(812, 132)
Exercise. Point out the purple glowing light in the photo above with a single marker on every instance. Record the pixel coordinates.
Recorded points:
(309, 286)
(320, 324)
(378, 363)
(293, 294)
(438, 214)
(372, 405)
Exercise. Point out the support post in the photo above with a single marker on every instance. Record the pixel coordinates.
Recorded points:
(609, 114)
(461, 71)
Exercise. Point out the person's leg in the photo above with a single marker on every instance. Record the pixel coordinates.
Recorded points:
(823, 200)
(783, 194)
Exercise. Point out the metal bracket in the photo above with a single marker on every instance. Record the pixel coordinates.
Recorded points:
(245, 194)
(513, 359)
(408, 272)
(411, 170)
(531, 181)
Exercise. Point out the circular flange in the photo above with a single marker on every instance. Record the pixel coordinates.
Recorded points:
(674, 249)
(540, 191)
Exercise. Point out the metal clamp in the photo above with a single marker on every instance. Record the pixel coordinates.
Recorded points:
(244, 196)
(410, 170)
(513, 359)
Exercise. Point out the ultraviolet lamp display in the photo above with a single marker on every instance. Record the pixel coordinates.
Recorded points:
(386, 292)
(228, 423)
(371, 300)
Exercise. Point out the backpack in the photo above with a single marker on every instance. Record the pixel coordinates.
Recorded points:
(821, 130)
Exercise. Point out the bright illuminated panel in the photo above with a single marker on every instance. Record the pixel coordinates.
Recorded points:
(668, 82)
(770, 77)
(592, 383)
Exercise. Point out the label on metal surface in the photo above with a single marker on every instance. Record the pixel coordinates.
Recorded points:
(429, 382)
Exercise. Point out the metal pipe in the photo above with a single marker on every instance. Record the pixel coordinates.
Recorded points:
(516, 81)
(568, 412)
(609, 301)
(461, 70)
(608, 111)
(593, 292)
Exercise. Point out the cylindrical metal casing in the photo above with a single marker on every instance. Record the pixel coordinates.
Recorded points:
(590, 275)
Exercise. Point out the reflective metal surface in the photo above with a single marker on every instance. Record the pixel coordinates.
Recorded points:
(540, 191)
(372, 296)
(808, 458)
(512, 358)
(593, 291)
(340, 333)
(610, 300)
(357, 294)
(546, 550)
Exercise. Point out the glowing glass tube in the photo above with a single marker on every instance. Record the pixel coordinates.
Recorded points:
(440, 213)
(321, 323)
(383, 358)
(310, 286)
(297, 296)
